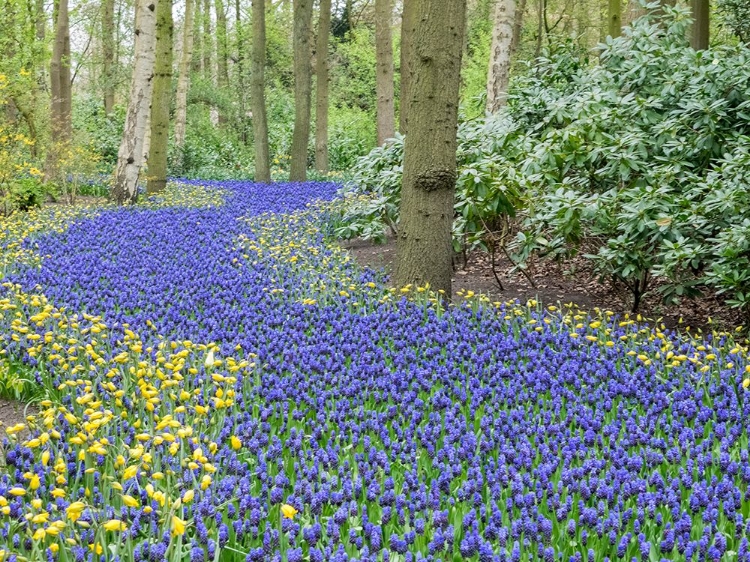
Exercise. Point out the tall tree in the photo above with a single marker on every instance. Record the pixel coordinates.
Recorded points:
(424, 250)
(60, 88)
(408, 21)
(321, 91)
(197, 62)
(208, 41)
(130, 154)
(614, 18)
(108, 54)
(518, 26)
(239, 34)
(386, 113)
(222, 50)
(303, 10)
(501, 51)
(701, 24)
(162, 96)
(258, 95)
(183, 81)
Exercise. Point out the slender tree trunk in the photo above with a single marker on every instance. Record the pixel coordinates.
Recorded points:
(130, 155)
(614, 18)
(241, 96)
(701, 20)
(518, 26)
(321, 91)
(222, 52)
(425, 249)
(302, 88)
(542, 6)
(208, 41)
(408, 22)
(197, 62)
(386, 112)
(161, 100)
(40, 22)
(60, 104)
(257, 94)
(498, 75)
(183, 82)
(108, 54)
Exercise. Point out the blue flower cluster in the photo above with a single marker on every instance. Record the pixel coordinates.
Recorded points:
(262, 398)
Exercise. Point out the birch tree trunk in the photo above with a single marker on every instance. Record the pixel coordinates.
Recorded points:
(408, 20)
(183, 81)
(321, 91)
(424, 248)
(130, 155)
(302, 89)
(108, 54)
(258, 95)
(386, 113)
(159, 129)
(60, 90)
(498, 75)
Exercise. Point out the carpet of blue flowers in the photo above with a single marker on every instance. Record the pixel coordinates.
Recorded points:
(223, 383)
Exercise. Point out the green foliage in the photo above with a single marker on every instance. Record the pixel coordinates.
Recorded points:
(27, 193)
(735, 14)
(17, 382)
(639, 163)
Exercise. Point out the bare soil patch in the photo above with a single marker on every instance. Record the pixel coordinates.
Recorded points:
(571, 282)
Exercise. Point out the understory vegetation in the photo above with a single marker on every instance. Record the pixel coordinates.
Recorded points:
(638, 161)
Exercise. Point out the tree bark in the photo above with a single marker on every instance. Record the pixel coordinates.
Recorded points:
(197, 63)
(161, 100)
(701, 20)
(386, 112)
(408, 21)
(614, 18)
(60, 90)
(183, 82)
(108, 54)
(258, 95)
(425, 249)
(518, 26)
(240, 74)
(130, 154)
(222, 51)
(302, 89)
(208, 41)
(498, 75)
(321, 91)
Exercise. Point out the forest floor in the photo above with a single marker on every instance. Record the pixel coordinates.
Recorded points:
(556, 283)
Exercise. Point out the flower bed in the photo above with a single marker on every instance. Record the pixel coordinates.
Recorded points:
(222, 383)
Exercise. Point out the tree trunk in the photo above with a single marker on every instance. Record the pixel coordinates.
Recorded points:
(518, 26)
(208, 41)
(183, 82)
(222, 51)
(130, 155)
(701, 21)
(60, 102)
(240, 74)
(425, 249)
(614, 18)
(302, 89)
(197, 63)
(408, 21)
(498, 75)
(108, 54)
(321, 91)
(386, 113)
(258, 95)
(161, 100)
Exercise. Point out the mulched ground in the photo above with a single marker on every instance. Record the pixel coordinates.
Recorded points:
(574, 281)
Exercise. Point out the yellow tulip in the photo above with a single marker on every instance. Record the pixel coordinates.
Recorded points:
(288, 511)
(178, 526)
(236, 443)
(115, 525)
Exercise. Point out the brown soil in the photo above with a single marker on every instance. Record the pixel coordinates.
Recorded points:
(572, 282)
(11, 413)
